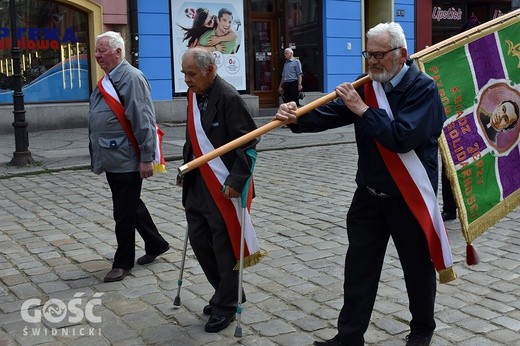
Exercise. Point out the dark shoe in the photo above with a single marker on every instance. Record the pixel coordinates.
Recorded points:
(330, 342)
(418, 340)
(207, 310)
(217, 323)
(145, 259)
(447, 216)
(116, 274)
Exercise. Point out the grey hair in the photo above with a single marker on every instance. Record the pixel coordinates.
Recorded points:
(114, 41)
(397, 38)
(289, 50)
(202, 58)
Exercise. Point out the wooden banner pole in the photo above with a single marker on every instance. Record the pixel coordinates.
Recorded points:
(199, 161)
(321, 101)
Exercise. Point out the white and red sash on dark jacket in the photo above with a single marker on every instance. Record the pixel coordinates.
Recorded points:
(110, 95)
(414, 184)
(214, 174)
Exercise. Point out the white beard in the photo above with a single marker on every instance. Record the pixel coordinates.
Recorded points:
(385, 76)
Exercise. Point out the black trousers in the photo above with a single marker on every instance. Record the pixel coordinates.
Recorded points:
(371, 221)
(211, 244)
(130, 213)
(291, 92)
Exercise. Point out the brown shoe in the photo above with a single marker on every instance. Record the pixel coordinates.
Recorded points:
(116, 274)
(147, 258)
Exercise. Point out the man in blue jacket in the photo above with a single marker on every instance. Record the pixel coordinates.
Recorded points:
(379, 210)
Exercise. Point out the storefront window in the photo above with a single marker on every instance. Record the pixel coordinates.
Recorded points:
(449, 19)
(262, 5)
(304, 37)
(52, 38)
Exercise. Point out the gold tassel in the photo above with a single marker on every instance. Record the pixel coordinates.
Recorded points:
(159, 168)
(447, 275)
(251, 260)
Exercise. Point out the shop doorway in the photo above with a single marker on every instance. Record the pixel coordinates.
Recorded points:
(276, 25)
(264, 61)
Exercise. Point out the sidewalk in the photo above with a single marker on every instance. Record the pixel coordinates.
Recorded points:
(68, 148)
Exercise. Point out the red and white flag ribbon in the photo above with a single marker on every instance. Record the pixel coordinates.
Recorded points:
(412, 180)
(214, 173)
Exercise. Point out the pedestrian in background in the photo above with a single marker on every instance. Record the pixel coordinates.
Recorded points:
(378, 210)
(291, 83)
(216, 115)
(121, 108)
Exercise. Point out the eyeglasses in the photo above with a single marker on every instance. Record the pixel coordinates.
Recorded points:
(377, 55)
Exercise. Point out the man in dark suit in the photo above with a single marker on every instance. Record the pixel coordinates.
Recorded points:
(504, 118)
(124, 95)
(407, 118)
(216, 115)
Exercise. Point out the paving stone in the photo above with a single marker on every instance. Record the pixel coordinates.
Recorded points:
(51, 287)
(166, 333)
(95, 265)
(309, 323)
(505, 337)
(273, 328)
(145, 319)
(12, 280)
(72, 275)
(115, 332)
(25, 290)
(507, 322)
(126, 306)
(139, 291)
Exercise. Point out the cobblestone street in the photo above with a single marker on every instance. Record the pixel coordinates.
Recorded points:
(57, 243)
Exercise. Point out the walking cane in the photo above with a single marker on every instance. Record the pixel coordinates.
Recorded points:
(243, 209)
(177, 300)
(243, 206)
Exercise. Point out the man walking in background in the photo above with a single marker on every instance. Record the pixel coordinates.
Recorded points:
(291, 83)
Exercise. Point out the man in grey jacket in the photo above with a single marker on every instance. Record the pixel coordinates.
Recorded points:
(122, 144)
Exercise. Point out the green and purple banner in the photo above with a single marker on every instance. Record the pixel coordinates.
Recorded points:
(478, 77)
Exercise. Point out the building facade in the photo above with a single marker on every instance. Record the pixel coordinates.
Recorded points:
(56, 38)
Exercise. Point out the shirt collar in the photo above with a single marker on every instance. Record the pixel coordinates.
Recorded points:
(111, 73)
(399, 76)
(202, 99)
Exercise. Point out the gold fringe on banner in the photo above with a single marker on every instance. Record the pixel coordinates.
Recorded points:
(447, 275)
(251, 260)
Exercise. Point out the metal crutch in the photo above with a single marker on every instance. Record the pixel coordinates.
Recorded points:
(177, 300)
(243, 206)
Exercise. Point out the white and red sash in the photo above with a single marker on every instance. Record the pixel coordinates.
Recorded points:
(214, 174)
(412, 180)
(110, 95)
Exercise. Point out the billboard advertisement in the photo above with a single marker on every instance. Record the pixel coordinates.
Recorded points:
(213, 25)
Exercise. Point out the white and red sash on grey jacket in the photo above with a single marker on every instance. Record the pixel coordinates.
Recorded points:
(214, 174)
(107, 89)
(414, 184)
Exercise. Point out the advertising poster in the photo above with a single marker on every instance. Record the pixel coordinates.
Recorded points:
(478, 78)
(197, 23)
